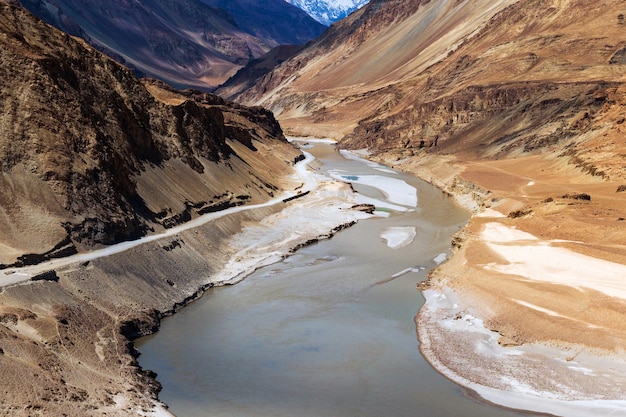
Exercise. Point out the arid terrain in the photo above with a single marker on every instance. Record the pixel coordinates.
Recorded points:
(516, 108)
(92, 157)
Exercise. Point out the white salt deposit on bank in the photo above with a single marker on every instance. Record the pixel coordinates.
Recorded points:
(395, 190)
(302, 140)
(489, 212)
(534, 377)
(398, 237)
(272, 239)
(358, 156)
(443, 320)
(530, 258)
(440, 258)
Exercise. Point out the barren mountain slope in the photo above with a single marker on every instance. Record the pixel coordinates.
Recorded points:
(495, 79)
(448, 64)
(188, 43)
(527, 75)
(89, 156)
(351, 69)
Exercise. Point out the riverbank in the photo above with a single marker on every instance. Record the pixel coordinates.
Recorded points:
(67, 347)
(328, 331)
(529, 311)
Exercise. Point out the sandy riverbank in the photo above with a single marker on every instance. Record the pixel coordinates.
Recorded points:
(529, 313)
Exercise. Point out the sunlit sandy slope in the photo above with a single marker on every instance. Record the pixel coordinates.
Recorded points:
(374, 49)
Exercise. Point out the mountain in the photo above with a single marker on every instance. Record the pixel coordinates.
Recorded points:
(273, 21)
(394, 74)
(90, 155)
(187, 43)
(328, 11)
(515, 105)
(247, 76)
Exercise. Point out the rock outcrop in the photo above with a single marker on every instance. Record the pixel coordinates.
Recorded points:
(89, 155)
(484, 78)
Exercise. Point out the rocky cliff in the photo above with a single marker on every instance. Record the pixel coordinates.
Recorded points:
(90, 156)
(541, 82)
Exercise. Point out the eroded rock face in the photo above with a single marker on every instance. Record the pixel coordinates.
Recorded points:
(83, 141)
(502, 120)
(89, 155)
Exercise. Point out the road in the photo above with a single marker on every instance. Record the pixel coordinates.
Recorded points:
(15, 276)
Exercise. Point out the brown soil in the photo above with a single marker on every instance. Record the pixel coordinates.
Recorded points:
(548, 199)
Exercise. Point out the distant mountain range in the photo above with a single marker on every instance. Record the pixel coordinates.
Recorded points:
(275, 21)
(187, 43)
(328, 11)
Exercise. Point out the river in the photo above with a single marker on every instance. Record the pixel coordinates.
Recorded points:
(329, 331)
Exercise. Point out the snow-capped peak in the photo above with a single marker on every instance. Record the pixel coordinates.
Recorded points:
(328, 11)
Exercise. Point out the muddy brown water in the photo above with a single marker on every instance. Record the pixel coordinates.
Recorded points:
(326, 333)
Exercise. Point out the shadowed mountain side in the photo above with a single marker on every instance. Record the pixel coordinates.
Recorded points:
(275, 21)
(185, 42)
(89, 155)
(246, 77)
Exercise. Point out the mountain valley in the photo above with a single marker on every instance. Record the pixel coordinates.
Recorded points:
(516, 109)
(91, 156)
(513, 107)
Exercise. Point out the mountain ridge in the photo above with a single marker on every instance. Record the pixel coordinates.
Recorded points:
(187, 43)
(447, 56)
(90, 156)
